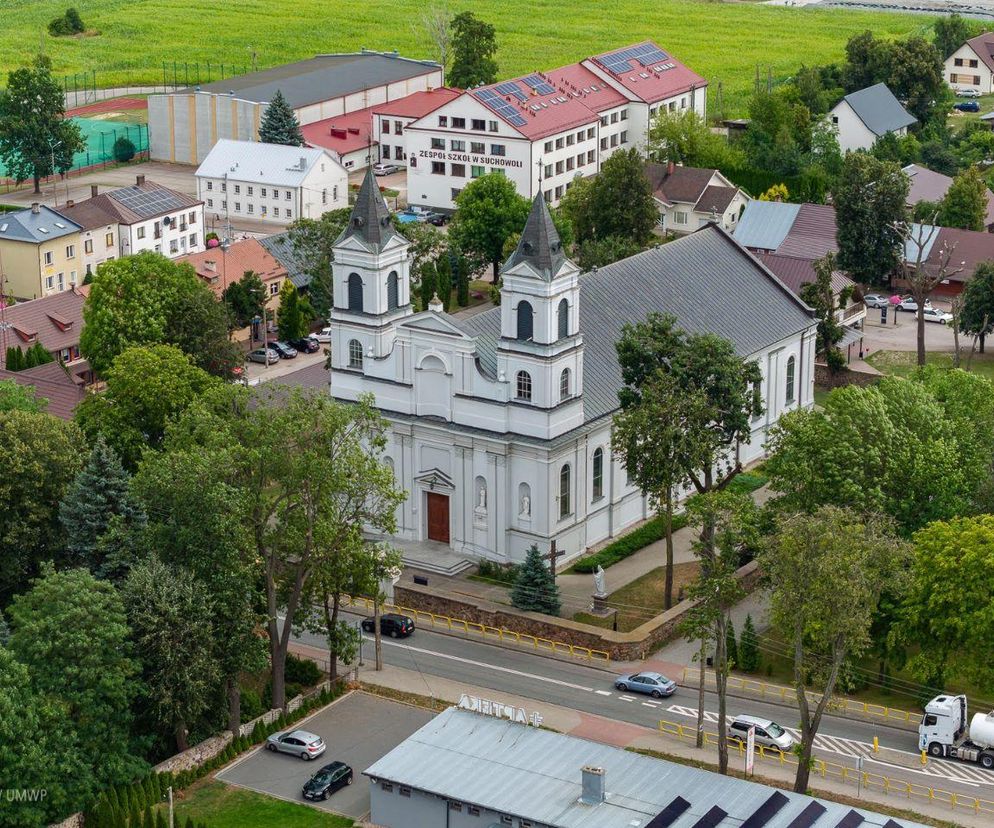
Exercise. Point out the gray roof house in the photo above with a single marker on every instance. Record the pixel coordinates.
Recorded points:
(35, 224)
(864, 116)
(510, 773)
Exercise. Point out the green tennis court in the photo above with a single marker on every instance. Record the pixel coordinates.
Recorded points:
(100, 136)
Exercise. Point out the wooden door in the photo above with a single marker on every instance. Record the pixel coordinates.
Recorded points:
(438, 517)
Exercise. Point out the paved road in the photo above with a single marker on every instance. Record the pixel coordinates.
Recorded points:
(591, 690)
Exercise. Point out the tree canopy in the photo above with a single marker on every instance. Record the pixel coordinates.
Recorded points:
(245, 299)
(977, 316)
(279, 124)
(474, 47)
(965, 202)
(685, 138)
(488, 210)
(312, 241)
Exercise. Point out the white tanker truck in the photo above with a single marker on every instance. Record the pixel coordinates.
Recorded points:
(943, 732)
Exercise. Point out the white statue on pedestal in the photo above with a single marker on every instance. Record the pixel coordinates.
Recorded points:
(600, 588)
(482, 504)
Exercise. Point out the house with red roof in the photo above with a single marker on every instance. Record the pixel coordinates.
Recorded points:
(971, 66)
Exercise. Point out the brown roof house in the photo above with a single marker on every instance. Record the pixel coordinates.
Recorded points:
(928, 185)
(690, 197)
(51, 383)
(56, 322)
(971, 66)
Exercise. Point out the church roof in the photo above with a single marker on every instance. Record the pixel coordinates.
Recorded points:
(370, 221)
(707, 280)
(539, 247)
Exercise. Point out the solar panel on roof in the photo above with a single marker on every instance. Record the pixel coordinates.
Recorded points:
(620, 62)
(809, 816)
(850, 820)
(147, 203)
(711, 818)
(765, 812)
(511, 88)
(670, 814)
(539, 85)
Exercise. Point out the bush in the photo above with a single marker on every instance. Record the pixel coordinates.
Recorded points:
(504, 573)
(69, 24)
(251, 705)
(124, 149)
(301, 671)
(629, 544)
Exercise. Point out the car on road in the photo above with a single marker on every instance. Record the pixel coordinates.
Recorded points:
(284, 349)
(908, 303)
(967, 93)
(768, 734)
(297, 743)
(967, 106)
(876, 300)
(263, 356)
(392, 624)
(652, 684)
(385, 169)
(325, 782)
(306, 345)
(937, 315)
(324, 335)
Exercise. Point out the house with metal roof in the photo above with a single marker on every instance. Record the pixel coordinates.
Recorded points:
(39, 252)
(690, 197)
(271, 182)
(862, 117)
(500, 423)
(466, 768)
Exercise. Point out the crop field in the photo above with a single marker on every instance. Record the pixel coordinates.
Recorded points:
(128, 40)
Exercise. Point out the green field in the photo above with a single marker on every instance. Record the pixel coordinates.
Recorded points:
(722, 41)
(222, 806)
(902, 363)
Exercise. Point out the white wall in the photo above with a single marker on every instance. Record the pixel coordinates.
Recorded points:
(972, 73)
(853, 133)
(184, 234)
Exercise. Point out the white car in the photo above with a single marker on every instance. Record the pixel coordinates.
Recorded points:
(385, 169)
(876, 300)
(908, 303)
(324, 335)
(937, 315)
(967, 93)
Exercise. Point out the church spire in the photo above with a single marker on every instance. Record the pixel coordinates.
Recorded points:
(540, 246)
(370, 221)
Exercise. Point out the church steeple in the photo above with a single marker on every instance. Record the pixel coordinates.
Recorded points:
(540, 247)
(370, 221)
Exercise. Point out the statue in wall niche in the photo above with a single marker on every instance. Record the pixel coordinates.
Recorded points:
(526, 506)
(482, 502)
(600, 587)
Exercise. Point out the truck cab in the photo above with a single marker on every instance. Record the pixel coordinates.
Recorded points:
(943, 724)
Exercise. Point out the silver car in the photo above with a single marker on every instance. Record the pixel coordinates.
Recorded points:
(768, 734)
(298, 743)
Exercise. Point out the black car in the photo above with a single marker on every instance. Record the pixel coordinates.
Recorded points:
(327, 780)
(307, 345)
(967, 106)
(392, 624)
(438, 219)
(284, 349)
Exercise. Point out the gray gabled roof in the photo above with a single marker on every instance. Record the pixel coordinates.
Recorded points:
(539, 246)
(281, 248)
(370, 221)
(764, 225)
(877, 107)
(707, 280)
(29, 226)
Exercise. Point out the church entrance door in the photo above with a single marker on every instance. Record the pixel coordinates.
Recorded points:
(438, 517)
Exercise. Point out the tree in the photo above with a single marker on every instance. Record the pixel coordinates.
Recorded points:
(943, 612)
(621, 202)
(826, 572)
(820, 296)
(488, 210)
(199, 325)
(685, 138)
(171, 628)
(930, 269)
(779, 134)
(123, 149)
(535, 587)
(443, 281)
(949, 32)
(916, 78)
(602, 252)
(749, 647)
(71, 632)
(147, 387)
(279, 124)
(293, 319)
(40, 456)
(868, 61)
(429, 283)
(870, 197)
(245, 299)
(977, 317)
(312, 242)
(777, 192)
(99, 493)
(731, 647)
(574, 208)
(474, 45)
(16, 397)
(435, 26)
(427, 241)
(965, 202)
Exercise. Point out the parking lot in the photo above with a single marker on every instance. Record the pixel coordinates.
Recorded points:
(358, 730)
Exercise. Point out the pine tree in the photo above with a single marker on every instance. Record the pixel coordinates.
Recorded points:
(535, 588)
(15, 358)
(731, 648)
(462, 280)
(291, 320)
(444, 284)
(749, 647)
(149, 820)
(134, 818)
(98, 494)
(4, 630)
(160, 820)
(189, 822)
(279, 124)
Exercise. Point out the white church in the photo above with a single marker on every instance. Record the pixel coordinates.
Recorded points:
(500, 423)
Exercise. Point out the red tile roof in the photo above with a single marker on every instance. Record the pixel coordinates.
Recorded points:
(56, 321)
(681, 184)
(342, 134)
(929, 185)
(543, 115)
(969, 249)
(219, 269)
(796, 272)
(812, 234)
(594, 93)
(417, 104)
(61, 391)
(651, 83)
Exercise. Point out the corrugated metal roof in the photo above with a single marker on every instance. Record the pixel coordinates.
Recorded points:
(877, 107)
(276, 165)
(29, 226)
(813, 233)
(281, 248)
(920, 236)
(535, 774)
(765, 224)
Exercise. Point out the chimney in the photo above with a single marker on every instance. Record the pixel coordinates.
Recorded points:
(303, 163)
(670, 166)
(35, 207)
(139, 180)
(211, 266)
(70, 203)
(592, 792)
(93, 190)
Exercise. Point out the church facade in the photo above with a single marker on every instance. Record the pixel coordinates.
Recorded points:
(500, 423)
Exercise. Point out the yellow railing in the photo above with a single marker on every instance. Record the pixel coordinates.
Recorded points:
(505, 636)
(787, 695)
(834, 770)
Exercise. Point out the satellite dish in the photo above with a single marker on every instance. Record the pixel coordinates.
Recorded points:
(167, 221)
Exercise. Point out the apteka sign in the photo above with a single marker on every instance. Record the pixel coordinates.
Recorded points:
(499, 710)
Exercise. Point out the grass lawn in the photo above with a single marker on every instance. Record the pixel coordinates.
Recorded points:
(646, 592)
(902, 363)
(223, 806)
(722, 41)
(821, 394)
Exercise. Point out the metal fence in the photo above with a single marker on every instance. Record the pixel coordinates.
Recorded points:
(88, 87)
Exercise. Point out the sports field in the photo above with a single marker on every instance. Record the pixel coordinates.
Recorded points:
(724, 41)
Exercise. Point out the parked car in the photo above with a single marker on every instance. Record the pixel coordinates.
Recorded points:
(324, 335)
(937, 315)
(298, 743)
(263, 355)
(768, 734)
(653, 684)
(284, 349)
(307, 344)
(908, 303)
(392, 624)
(326, 781)
(385, 169)
(438, 219)
(967, 106)
(967, 93)
(876, 300)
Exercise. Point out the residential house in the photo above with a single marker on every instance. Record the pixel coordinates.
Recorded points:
(971, 66)
(281, 248)
(928, 185)
(862, 117)
(271, 182)
(39, 252)
(50, 383)
(690, 197)
(219, 267)
(56, 321)
(98, 234)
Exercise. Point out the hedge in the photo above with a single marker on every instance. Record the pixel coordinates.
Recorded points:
(629, 544)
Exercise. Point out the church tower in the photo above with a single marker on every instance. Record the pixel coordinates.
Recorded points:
(371, 282)
(540, 353)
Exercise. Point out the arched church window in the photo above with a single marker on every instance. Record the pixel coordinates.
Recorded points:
(393, 290)
(563, 319)
(525, 319)
(355, 354)
(523, 386)
(355, 292)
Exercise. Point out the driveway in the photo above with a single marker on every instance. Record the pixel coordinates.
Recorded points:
(903, 335)
(358, 729)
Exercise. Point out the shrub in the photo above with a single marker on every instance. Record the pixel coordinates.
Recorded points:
(535, 588)
(301, 671)
(124, 149)
(749, 647)
(629, 544)
(251, 704)
(69, 24)
(74, 21)
(504, 573)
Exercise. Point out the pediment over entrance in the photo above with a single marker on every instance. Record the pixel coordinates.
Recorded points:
(435, 479)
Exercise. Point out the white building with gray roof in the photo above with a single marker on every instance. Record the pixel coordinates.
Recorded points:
(500, 424)
(862, 117)
(467, 769)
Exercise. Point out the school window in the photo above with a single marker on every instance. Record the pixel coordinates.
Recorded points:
(459, 123)
(288, 212)
(386, 126)
(476, 171)
(492, 126)
(438, 168)
(238, 206)
(548, 146)
(497, 149)
(224, 206)
(262, 192)
(559, 192)
(569, 140)
(614, 117)
(398, 128)
(683, 103)
(88, 246)
(276, 193)
(559, 143)
(477, 147)
(238, 189)
(569, 163)
(386, 151)
(443, 121)
(276, 212)
(624, 136)
(579, 136)
(458, 146)
(548, 170)
(671, 106)
(590, 133)
(454, 193)
(559, 167)
(579, 160)
(250, 208)
(458, 170)
(479, 124)
(603, 143)
(547, 195)
(614, 140)
(590, 157)
(249, 192)
(603, 120)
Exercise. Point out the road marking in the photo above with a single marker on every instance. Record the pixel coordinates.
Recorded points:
(650, 704)
(627, 698)
(603, 692)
